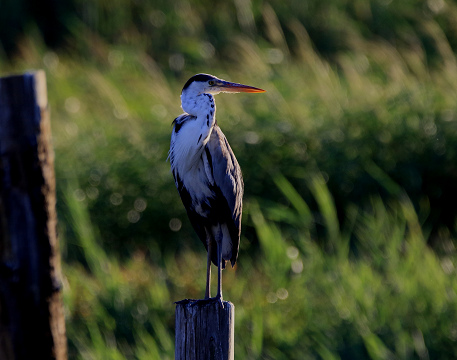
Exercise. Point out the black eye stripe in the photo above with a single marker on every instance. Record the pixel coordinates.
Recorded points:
(198, 77)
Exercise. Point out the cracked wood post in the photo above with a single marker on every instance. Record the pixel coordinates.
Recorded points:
(31, 312)
(204, 330)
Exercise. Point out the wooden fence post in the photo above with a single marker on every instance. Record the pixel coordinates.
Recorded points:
(204, 330)
(31, 312)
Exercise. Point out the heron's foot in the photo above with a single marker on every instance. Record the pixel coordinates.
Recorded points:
(219, 299)
(199, 301)
(203, 301)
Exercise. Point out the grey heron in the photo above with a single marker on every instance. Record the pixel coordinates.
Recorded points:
(206, 172)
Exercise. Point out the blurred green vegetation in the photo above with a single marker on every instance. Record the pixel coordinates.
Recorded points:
(349, 161)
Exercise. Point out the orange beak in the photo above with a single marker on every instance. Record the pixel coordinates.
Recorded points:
(227, 86)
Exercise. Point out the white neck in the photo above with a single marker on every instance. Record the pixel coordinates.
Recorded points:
(199, 104)
(188, 144)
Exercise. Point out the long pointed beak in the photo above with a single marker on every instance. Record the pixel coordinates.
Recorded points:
(227, 86)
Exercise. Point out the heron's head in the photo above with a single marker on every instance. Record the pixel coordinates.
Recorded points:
(209, 84)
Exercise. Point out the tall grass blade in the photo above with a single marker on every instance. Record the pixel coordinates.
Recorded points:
(327, 209)
(86, 233)
(295, 198)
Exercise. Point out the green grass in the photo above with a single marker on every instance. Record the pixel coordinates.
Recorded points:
(390, 296)
(349, 161)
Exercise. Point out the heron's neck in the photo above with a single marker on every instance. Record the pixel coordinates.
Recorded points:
(187, 144)
(199, 105)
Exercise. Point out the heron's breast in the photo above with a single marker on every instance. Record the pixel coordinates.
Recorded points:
(198, 185)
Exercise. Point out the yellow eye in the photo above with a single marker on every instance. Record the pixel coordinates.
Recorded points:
(211, 82)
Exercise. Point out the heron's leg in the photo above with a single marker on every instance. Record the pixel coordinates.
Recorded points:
(219, 269)
(208, 270)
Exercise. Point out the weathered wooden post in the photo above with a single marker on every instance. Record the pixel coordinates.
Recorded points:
(31, 312)
(204, 330)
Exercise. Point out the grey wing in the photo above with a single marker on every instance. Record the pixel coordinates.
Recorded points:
(228, 184)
